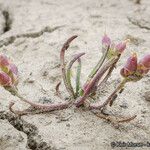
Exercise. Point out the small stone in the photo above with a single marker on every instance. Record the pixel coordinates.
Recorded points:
(124, 105)
(45, 73)
(68, 125)
(29, 80)
(147, 95)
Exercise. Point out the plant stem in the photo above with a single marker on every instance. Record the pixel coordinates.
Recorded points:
(92, 83)
(44, 107)
(62, 62)
(110, 98)
(109, 73)
(98, 66)
(114, 119)
(57, 89)
(17, 112)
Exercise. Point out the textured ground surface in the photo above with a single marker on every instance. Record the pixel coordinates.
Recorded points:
(32, 33)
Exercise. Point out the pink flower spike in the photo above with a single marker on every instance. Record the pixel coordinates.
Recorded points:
(144, 64)
(145, 61)
(9, 69)
(106, 41)
(5, 80)
(4, 61)
(121, 46)
(130, 66)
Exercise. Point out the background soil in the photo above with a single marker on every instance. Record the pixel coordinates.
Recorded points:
(32, 33)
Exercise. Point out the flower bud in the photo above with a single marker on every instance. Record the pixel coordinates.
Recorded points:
(144, 65)
(106, 41)
(120, 47)
(145, 61)
(13, 69)
(9, 69)
(5, 80)
(130, 66)
(3, 60)
(4, 63)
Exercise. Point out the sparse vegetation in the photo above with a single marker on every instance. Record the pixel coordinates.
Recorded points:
(133, 71)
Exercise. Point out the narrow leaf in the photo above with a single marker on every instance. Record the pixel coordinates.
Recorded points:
(78, 77)
(75, 58)
(94, 80)
(99, 64)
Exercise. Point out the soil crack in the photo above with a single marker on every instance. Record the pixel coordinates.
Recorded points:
(138, 23)
(11, 39)
(8, 21)
(34, 141)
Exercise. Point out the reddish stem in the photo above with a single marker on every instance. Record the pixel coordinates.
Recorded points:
(92, 83)
(57, 89)
(110, 99)
(41, 108)
(62, 61)
(44, 107)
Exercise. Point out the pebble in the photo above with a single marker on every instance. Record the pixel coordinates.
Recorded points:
(124, 105)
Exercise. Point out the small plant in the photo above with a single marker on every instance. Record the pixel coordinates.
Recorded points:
(9, 80)
(133, 71)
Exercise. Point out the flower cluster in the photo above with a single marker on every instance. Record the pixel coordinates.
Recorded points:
(135, 70)
(8, 72)
(113, 49)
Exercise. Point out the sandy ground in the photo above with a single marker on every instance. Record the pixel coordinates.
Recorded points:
(35, 51)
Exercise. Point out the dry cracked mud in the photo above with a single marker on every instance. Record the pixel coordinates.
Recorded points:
(32, 33)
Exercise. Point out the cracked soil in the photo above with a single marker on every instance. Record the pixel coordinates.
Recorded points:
(32, 34)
